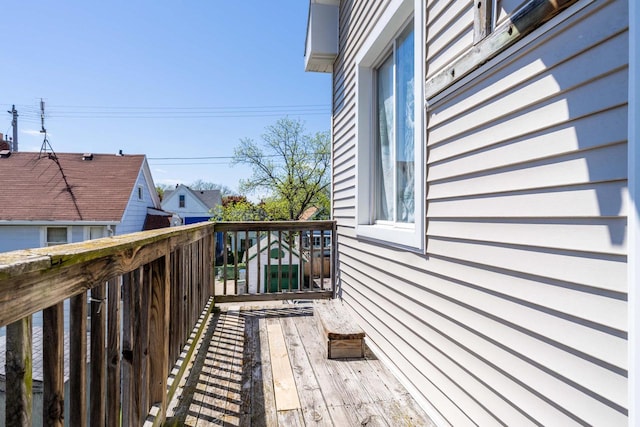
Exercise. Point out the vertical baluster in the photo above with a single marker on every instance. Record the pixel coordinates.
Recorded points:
(78, 360)
(174, 339)
(259, 288)
(289, 239)
(301, 262)
(268, 272)
(235, 262)
(247, 245)
(53, 366)
(158, 342)
(279, 261)
(19, 364)
(224, 263)
(130, 287)
(98, 368)
(113, 352)
(311, 260)
(141, 345)
(322, 259)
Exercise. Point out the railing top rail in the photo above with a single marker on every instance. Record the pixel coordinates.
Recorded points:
(29, 260)
(34, 279)
(273, 225)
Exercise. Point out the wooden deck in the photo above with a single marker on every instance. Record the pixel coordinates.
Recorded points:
(265, 366)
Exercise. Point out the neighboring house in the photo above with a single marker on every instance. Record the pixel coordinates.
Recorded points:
(48, 199)
(283, 274)
(191, 205)
(487, 226)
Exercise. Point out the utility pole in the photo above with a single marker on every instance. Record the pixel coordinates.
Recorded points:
(14, 124)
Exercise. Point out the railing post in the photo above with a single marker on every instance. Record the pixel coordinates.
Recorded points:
(334, 259)
(98, 368)
(53, 366)
(211, 274)
(18, 362)
(78, 361)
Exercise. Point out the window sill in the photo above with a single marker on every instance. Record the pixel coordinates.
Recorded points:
(401, 236)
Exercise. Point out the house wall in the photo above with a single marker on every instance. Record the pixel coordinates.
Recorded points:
(516, 313)
(14, 237)
(136, 211)
(192, 208)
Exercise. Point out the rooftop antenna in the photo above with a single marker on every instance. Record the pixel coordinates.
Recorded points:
(14, 124)
(43, 130)
(52, 156)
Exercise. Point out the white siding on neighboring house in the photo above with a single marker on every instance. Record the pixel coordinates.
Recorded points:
(136, 211)
(14, 237)
(517, 312)
(193, 207)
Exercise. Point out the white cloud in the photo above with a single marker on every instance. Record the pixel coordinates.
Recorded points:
(159, 170)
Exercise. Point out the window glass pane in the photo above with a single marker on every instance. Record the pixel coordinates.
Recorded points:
(385, 136)
(96, 233)
(405, 193)
(56, 235)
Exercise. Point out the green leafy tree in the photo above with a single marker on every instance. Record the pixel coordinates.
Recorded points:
(293, 167)
(161, 188)
(238, 208)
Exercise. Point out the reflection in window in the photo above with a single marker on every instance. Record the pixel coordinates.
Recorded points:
(394, 167)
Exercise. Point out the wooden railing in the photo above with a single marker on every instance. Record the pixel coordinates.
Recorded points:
(275, 260)
(147, 293)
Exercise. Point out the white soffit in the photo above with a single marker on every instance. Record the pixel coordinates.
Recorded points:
(321, 47)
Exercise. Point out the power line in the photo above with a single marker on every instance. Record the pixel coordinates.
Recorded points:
(30, 114)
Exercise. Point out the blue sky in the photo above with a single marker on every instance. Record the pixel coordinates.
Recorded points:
(162, 78)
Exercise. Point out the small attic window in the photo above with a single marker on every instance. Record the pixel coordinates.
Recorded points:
(87, 156)
(181, 201)
(139, 192)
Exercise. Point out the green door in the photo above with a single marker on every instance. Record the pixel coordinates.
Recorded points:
(274, 282)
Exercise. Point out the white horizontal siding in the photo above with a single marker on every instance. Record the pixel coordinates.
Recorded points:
(588, 235)
(136, 210)
(608, 199)
(449, 32)
(516, 314)
(608, 127)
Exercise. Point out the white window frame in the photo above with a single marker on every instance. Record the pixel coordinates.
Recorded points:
(43, 235)
(391, 24)
(182, 201)
(87, 231)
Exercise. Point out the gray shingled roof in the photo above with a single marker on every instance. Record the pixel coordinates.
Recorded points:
(211, 198)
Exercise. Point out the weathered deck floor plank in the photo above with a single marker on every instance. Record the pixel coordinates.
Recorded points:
(232, 382)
